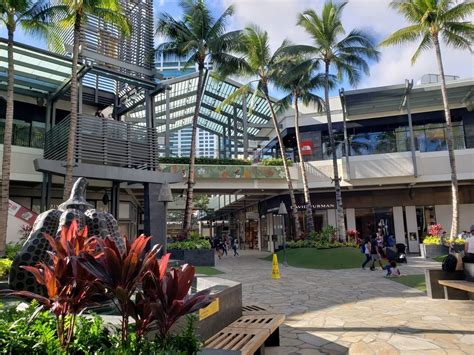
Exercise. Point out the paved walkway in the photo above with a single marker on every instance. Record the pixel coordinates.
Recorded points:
(353, 311)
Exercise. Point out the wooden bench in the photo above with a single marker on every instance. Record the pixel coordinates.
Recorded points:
(248, 335)
(457, 289)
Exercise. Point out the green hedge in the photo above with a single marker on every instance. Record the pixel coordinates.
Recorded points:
(318, 245)
(204, 161)
(190, 244)
(275, 162)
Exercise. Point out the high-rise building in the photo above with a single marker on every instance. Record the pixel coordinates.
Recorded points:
(206, 143)
(171, 66)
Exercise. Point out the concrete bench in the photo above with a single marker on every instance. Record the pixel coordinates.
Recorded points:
(457, 289)
(247, 335)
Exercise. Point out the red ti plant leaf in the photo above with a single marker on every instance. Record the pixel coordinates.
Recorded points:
(166, 298)
(121, 273)
(69, 286)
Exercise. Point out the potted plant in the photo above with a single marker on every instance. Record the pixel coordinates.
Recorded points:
(195, 250)
(433, 244)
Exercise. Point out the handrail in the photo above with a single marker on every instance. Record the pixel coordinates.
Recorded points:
(105, 142)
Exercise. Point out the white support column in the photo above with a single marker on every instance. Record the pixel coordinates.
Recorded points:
(351, 219)
(412, 229)
(332, 217)
(399, 226)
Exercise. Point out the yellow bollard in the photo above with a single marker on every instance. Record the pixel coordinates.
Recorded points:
(275, 268)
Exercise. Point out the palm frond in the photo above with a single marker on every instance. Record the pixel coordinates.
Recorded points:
(114, 17)
(284, 103)
(459, 12)
(403, 35)
(239, 94)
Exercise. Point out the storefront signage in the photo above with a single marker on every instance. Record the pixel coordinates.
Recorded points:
(208, 311)
(20, 212)
(318, 206)
(306, 147)
(251, 215)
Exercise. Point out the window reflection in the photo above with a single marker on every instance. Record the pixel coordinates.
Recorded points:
(428, 138)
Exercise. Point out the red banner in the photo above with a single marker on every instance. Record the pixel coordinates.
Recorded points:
(21, 212)
(306, 147)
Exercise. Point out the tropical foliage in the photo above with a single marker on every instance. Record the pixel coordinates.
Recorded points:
(263, 68)
(5, 266)
(83, 270)
(25, 330)
(347, 55)
(35, 18)
(430, 22)
(197, 35)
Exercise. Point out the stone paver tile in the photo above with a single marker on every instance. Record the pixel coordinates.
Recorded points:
(383, 348)
(360, 348)
(468, 339)
(313, 340)
(280, 350)
(411, 343)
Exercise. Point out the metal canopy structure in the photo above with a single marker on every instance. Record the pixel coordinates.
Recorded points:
(237, 123)
(389, 99)
(38, 73)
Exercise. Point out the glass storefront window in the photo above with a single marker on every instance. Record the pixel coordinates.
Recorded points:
(25, 134)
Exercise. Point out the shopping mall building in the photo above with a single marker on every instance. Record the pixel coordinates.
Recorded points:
(391, 148)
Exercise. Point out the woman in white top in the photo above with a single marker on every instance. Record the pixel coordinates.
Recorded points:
(469, 244)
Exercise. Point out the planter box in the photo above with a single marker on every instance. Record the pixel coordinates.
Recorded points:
(432, 276)
(432, 251)
(196, 257)
(469, 271)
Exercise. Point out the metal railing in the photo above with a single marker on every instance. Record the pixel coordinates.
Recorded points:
(104, 142)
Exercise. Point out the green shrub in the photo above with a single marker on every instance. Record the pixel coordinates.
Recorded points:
(12, 249)
(275, 162)
(309, 243)
(190, 244)
(5, 266)
(203, 161)
(29, 331)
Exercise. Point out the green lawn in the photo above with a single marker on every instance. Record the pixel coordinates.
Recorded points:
(327, 259)
(415, 281)
(207, 270)
(439, 258)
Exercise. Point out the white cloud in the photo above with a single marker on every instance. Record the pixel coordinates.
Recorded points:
(278, 17)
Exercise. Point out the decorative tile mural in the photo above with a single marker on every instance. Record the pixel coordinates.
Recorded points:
(228, 171)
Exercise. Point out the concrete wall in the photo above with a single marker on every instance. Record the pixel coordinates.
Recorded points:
(466, 216)
(22, 168)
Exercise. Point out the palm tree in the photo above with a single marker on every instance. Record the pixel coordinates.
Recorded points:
(430, 21)
(348, 56)
(297, 77)
(34, 17)
(79, 11)
(257, 62)
(197, 35)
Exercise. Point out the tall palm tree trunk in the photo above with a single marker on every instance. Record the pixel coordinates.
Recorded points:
(7, 146)
(188, 211)
(307, 197)
(450, 143)
(340, 227)
(294, 208)
(68, 179)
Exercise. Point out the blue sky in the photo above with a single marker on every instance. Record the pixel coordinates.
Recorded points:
(278, 17)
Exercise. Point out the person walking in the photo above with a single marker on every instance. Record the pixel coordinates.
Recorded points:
(375, 254)
(235, 246)
(367, 254)
(224, 244)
